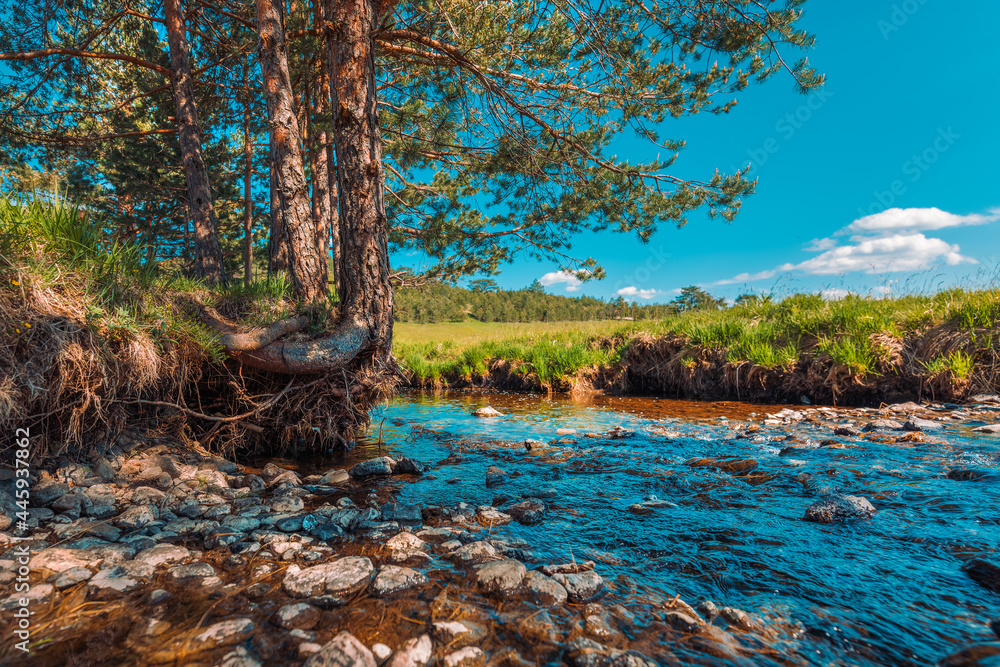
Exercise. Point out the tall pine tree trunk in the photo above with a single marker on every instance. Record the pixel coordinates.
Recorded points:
(365, 290)
(247, 193)
(364, 332)
(208, 254)
(306, 267)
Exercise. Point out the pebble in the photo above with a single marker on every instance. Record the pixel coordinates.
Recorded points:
(415, 652)
(344, 650)
(495, 476)
(393, 579)
(470, 656)
(383, 465)
(474, 553)
(300, 616)
(527, 512)
(502, 578)
(487, 412)
(342, 577)
(839, 508)
(580, 587)
(544, 590)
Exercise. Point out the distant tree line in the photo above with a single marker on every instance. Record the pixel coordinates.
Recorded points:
(486, 302)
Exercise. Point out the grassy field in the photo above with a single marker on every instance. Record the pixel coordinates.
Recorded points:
(863, 335)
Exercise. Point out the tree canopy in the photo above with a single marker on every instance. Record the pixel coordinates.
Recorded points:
(498, 119)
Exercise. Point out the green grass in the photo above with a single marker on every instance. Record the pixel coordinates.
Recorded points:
(852, 333)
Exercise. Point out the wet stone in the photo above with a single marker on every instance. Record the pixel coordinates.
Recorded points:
(474, 554)
(739, 619)
(973, 475)
(239, 657)
(344, 650)
(136, 517)
(381, 652)
(46, 491)
(502, 578)
(111, 583)
(72, 577)
(487, 412)
(839, 508)
(402, 513)
(146, 495)
(528, 512)
(977, 655)
(490, 516)
(393, 579)
(335, 477)
(495, 476)
(58, 559)
(707, 609)
(299, 616)
(342, 577)
(583, 652)
(191, 574)
(882, 425)
(580, 587)
(988, 428)
(408, 466)
(682, 622)
(287, 505)
(415, 652)
(544, 590)
(383, 465)
(540, 628)
(470, 656)
(224, 633)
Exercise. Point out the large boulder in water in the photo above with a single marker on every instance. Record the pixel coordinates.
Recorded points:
(487, 412)
(383, 465)
(839, 508)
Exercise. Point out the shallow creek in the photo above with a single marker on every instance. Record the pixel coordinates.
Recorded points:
(887, 590)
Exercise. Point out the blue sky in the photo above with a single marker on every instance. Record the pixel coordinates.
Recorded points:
(908, 120)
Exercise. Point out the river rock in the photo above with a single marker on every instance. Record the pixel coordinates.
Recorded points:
(382, 465)
(470, 656)
(407, 466)
(474, 553)
(583, 652)
(35, 597)
(495, 476)
(491, 516)
(111, 583)
(580, 587)
(989, 428)
(487, 412)
(224, 633)
(539, 628)
(972, 475)
(299, 616)
(57, 559)
(344, 650)
(147, 495)
(543, 590)
(415, 652)
(527, 512)
(846, 431)
(917, 424)
(402, 513)
(739, 619)
(192, 574)
(72, 577)
(567, 568)
(984, 573)
(458, 633)
(335, 477)
(501, 578)
(839, 508)
(286, 505)
(342, 578)
(977, 655)
(136, 517)
(393, 579)
(882, 425)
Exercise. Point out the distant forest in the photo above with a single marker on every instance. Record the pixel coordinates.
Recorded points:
(485, 302)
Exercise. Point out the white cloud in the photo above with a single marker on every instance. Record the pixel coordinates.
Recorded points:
(901, 252)
(834, 293)
(747, 278)
(914, 220)
(634, 291)
(555, 277)
(819, 245)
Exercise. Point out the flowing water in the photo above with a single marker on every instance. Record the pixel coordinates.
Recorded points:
(889, 590)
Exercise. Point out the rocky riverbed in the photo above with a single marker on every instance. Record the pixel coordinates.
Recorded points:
(144, 552)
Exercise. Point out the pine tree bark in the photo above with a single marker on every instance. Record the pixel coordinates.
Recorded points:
(277, 261)
(306, 267)
(247, 188)
(333, 219)
(365, 289)
(208, 255)
(364, 331)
